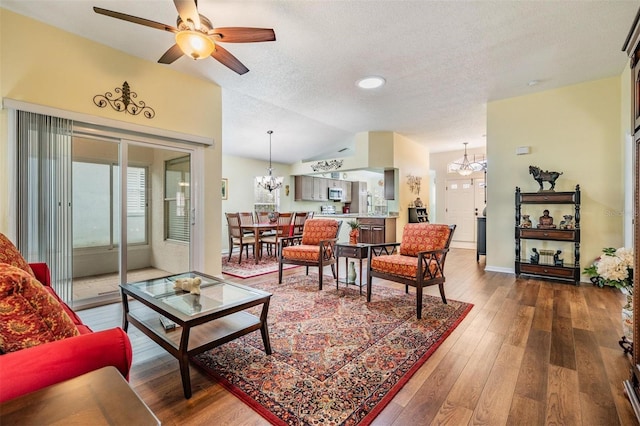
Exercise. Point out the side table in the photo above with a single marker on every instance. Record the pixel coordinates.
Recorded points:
(354, 251)
(100, 397)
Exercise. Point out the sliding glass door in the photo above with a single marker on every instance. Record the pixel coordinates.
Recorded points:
(146, 205)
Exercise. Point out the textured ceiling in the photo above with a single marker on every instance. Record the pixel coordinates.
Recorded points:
(443, 61)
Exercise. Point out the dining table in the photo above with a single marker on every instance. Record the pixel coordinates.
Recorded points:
(258, 229)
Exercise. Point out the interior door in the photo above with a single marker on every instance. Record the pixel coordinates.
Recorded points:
(460, 207)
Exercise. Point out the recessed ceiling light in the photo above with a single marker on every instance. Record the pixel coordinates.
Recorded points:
(533, 82)
(371, 82)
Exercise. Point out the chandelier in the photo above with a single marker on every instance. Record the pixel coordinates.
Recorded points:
(270, 182)
(467, 167)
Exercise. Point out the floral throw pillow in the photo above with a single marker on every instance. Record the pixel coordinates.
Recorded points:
(29, 315)
(9, 254)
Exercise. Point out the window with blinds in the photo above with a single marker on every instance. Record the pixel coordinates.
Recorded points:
(177, 199)
(96, 205)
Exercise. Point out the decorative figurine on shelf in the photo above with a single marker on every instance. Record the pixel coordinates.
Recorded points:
(546, 221)
(526, 221)
(556, 259)
(567, 222)
(535, 257)
(418, 202)
(544, 176)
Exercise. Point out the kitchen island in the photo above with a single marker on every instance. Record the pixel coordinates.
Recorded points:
(373, 228)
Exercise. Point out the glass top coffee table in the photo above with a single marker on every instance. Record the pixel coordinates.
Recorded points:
(202, 321)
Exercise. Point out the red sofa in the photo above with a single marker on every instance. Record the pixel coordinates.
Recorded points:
(30, 369)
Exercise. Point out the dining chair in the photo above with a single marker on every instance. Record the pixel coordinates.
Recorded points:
(316, 247)
(246, 218)
(237, 237)
(417, 261)
(299, 218)
(283, 230)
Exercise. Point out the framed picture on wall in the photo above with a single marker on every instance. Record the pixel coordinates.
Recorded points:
(225, 188)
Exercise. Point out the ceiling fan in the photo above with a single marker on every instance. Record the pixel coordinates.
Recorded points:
(196, 37)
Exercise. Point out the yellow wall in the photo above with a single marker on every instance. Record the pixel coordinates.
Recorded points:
(44, 65)
(575, 130)
(409, 157)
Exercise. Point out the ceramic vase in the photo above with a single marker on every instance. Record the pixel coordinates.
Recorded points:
(353, 236)
(351, 275)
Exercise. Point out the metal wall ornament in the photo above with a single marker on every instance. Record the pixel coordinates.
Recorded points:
(325, 165)
(125, 103)
(414, 184)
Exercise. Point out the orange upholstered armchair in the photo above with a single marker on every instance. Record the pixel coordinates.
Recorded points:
(419, 261)
(315, 247)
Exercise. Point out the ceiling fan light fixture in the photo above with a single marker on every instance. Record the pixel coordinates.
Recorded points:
(372, 82)
(195, 44)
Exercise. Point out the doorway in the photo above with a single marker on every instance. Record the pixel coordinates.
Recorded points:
(464, 202)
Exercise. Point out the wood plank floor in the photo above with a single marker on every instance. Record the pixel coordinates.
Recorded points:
(530, 352)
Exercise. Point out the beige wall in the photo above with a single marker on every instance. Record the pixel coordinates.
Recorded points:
(44, 65)
(575, 130)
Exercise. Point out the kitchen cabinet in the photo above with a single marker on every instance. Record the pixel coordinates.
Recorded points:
(376, 230)
(320, 189)
(346, 191)
(544, 263)
(309, 188)
(390, 184)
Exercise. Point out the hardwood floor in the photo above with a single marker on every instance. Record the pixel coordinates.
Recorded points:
(530, 352)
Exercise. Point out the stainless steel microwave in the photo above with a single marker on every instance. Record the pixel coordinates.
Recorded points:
(335, 194)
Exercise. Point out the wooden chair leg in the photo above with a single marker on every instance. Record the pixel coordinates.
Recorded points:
(369, 279)
(333, 270)
(240, 255)
(441, 287)
(419, 301)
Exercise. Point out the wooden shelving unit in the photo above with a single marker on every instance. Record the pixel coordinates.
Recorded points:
(567, 271)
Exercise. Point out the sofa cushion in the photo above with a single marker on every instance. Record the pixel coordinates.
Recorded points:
(9, 254)
(417, 237)
(29, 314)
(316, 230)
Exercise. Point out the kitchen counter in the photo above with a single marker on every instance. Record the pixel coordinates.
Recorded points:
(384, 231)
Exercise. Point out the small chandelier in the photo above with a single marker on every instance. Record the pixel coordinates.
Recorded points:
(270, 182)
(466, 167)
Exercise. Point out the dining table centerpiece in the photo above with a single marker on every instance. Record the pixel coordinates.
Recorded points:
(614, 268)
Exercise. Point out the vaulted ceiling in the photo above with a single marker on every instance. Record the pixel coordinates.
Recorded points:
(442, 61)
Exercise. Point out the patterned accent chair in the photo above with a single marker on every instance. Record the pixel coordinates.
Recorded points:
(315, 247)
(419, 261)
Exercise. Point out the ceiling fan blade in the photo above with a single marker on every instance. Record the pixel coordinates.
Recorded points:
(171, 55)
(227, 59)
(243, 35)
(188, 11)
(135, 20)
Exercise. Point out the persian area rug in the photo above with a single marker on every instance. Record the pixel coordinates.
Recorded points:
(248, 268)
(337, 360)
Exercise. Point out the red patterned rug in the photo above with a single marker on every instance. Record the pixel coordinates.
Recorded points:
(248, 268)
(337, 360)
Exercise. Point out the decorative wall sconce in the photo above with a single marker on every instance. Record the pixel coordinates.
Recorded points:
(124, 103)
(326, 165)
(414, 183)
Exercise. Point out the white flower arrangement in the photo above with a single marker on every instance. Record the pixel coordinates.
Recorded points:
(614, 268)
